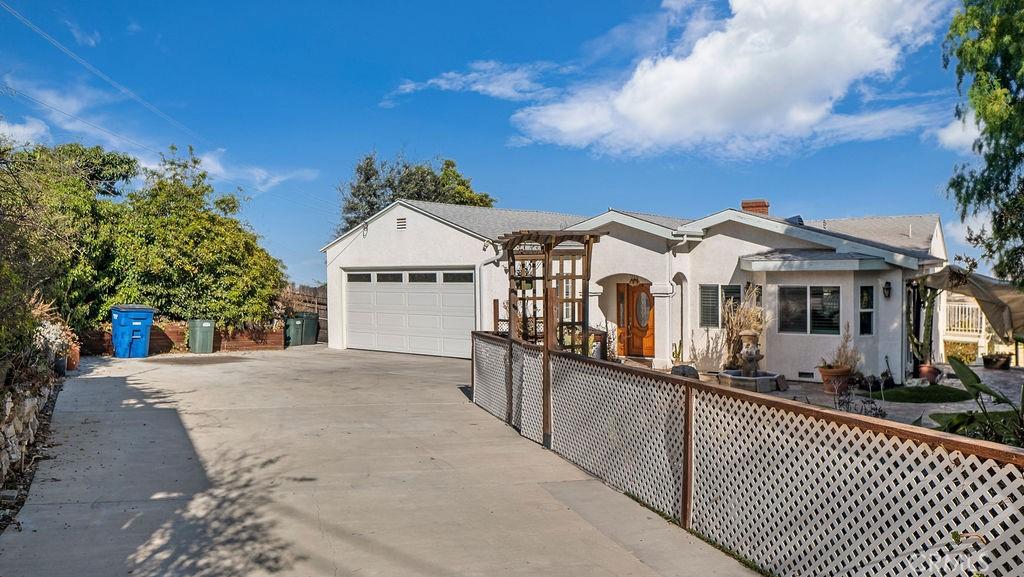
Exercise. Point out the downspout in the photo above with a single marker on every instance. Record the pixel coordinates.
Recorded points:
(480, 292)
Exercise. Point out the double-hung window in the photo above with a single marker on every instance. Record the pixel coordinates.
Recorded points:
(813, 310)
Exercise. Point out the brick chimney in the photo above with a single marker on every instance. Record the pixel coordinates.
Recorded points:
(756, 205)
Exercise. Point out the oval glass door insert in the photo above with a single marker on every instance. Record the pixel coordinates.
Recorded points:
(643, 310)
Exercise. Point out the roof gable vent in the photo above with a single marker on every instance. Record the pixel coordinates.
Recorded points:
(400, 223)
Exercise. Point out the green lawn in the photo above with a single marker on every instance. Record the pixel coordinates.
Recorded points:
(929, 394)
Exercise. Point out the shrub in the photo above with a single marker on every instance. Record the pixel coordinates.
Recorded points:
(966, 352)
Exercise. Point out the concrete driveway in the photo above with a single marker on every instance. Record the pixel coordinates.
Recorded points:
(317, 462)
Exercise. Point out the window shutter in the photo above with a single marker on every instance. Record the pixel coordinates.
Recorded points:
(709, 305)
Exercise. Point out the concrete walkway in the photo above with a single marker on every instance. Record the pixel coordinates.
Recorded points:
(317, 462)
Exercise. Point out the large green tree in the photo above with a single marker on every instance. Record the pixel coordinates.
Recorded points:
(180, 248)
(77, 189)
(986, 41)
(55, 223)
(376, 183)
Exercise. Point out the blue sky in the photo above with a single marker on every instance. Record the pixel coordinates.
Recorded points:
(681, 107)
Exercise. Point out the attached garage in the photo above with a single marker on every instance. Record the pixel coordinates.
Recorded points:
(418, 277)
(428, 312)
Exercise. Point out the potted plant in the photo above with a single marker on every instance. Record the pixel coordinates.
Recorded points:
(837, 366)
(921, 348)
(998, 361)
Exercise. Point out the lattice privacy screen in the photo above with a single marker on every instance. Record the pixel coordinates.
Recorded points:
(490, 357)
(805, 496)
(623, 427)
(491, 387)
(526, 391)
(800, 496)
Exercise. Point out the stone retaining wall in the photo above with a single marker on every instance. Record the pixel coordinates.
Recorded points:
(19, 422)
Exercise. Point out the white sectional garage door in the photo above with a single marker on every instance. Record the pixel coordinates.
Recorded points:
(410, 311)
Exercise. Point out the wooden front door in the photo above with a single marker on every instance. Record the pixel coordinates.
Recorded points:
(635, 308)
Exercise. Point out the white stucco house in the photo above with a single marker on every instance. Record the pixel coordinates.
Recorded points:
(418, 276)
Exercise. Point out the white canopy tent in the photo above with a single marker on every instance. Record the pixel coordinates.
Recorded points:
(1001, 302)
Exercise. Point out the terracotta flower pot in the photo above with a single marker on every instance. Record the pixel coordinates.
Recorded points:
(929, 373)
(74, 356)
(835, 380)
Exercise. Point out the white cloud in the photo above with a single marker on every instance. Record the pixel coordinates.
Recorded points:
(957, 231)
(84, 116)
(31, 131)
(487, 77)
(959, 135)
(83, 38)
(133, 27)
(767, 78)
(259, 178)
(91, 123)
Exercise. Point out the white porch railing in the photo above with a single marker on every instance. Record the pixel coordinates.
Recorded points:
(964, 319)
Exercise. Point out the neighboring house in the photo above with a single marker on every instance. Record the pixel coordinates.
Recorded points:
(417, 276)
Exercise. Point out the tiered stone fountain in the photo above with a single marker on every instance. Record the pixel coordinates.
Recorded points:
(749, 377)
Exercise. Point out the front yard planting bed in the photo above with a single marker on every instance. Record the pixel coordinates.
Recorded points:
(942, 418)
(929, 394)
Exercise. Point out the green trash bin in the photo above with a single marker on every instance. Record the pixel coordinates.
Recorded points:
(310, 327)
(292, 332)
(200, 335)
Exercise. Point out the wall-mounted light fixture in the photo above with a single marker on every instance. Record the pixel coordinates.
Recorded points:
(887, 289)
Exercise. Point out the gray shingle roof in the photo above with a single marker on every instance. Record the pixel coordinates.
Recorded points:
(804, 254)
(493, 222)
(665, 221)
(909, 234)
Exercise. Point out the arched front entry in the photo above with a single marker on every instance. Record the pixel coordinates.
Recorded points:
(629, 305)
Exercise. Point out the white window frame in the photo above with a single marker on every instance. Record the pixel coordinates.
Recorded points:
(808, 330)
(871, 310)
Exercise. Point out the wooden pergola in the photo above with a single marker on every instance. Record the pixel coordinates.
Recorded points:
(549, 287)
(549, 295)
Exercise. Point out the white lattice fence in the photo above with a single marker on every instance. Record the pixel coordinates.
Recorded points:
(623, 426)
(490, 358)
(804, 496)
(527, 381)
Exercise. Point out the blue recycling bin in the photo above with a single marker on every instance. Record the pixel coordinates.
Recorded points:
(130, 326)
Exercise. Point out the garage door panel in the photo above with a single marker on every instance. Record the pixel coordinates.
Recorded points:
(391, 298)
(457, 301)
(360, 319)
(425, 345)
(418, 321)
(454, 347)
(359, 298)
(390, 321)
(391, 342)
(361, 340)
(449, 323)
(433, 318)
(424, 300)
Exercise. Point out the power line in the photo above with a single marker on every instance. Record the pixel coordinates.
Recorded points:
(4, 87)
(99, 73)
(8, 88)
(124, 90)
